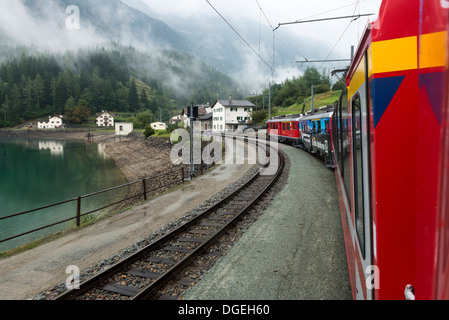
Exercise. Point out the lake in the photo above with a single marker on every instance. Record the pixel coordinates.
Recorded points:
(40, 172)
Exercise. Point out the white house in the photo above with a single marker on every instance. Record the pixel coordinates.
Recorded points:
(230, 115)
(53, 123)
(123, 129)
(105, 120)
(159, 126)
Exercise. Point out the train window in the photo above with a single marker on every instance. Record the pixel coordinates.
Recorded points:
(319, 127)
(288, 126)
(346, 166)
(358, 170)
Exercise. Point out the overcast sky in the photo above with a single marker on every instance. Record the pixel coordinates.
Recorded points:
(281, 11)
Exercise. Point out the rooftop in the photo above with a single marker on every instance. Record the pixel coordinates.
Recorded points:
(234, 103)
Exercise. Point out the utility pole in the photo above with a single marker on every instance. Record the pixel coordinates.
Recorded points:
(192, 166)
(313, 89)
(269, 101)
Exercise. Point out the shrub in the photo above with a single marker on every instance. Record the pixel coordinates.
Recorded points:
(148, 131)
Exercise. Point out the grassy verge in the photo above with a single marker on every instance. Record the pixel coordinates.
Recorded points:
(320, 100)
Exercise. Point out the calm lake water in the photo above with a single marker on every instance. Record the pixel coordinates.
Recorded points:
(37, 172)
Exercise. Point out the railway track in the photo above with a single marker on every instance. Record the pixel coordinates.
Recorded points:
(143, 274)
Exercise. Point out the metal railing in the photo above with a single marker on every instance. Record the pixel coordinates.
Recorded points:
(137, 189)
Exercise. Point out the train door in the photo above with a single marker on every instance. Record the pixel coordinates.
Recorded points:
(361, 176)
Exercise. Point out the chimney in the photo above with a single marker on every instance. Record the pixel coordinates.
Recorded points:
(230, 99)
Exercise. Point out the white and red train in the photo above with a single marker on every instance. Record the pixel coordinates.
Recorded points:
(388, 141)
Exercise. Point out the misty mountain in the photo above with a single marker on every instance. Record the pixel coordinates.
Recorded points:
(41, 24)
(213, 41)
(153, 50)
(112, 20)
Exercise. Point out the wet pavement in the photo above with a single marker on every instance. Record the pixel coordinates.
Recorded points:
(295, 251)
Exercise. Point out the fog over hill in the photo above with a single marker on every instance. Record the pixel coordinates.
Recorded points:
(42, 24)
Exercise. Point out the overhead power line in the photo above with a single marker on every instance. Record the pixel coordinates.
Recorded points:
(355, 9)
(246, 42)
(355, 17)
(336, 9)
(264, 14)
(335, 60)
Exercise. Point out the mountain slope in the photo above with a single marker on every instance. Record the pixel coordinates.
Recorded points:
(43, 23)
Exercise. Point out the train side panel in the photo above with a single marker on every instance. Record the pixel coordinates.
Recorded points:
(388, 151)
(434, 80)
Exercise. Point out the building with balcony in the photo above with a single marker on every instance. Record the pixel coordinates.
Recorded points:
(230, 115)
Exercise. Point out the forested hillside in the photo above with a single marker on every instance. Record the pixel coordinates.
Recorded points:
(89, 81)
(298, 89)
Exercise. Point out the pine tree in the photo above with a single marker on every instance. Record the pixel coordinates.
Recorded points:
(144, 100)
(133, 97)
(39, 90)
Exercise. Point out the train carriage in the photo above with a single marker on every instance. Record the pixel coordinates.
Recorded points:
(390, 136)
(286, 129)
(311, 132)
(315, 131)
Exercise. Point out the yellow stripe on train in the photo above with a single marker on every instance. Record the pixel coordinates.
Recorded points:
(402, 54)
(433, 48)
(395, 55)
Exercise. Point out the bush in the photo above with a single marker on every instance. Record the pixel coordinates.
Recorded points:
(148, 131)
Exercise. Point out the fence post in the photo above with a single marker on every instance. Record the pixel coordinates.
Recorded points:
(144, 189)
(78, 212)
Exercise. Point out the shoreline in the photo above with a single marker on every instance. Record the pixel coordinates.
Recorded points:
(136, 157)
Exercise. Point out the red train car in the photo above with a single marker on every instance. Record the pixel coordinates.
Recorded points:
(286, 129)
(391, 145)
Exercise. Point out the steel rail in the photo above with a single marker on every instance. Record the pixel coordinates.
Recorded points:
(158, 244)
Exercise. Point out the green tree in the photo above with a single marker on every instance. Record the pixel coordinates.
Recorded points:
(259, 117)
(39, 90)
(144, 100)
(133, 97)
(76, 114)
(145, 118)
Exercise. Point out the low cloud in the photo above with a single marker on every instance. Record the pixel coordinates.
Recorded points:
(44, 28)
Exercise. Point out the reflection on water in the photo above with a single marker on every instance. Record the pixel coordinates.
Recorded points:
(56, 147)
(38, 172)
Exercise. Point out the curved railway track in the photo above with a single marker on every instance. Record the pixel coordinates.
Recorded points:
(141, 275)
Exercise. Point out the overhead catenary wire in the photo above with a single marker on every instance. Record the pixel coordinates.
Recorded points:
(240, 36)
(339, 8)
(325, 19)
(271, 26)
(344, 32)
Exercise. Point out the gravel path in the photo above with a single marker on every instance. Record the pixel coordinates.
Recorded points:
(295, 251)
